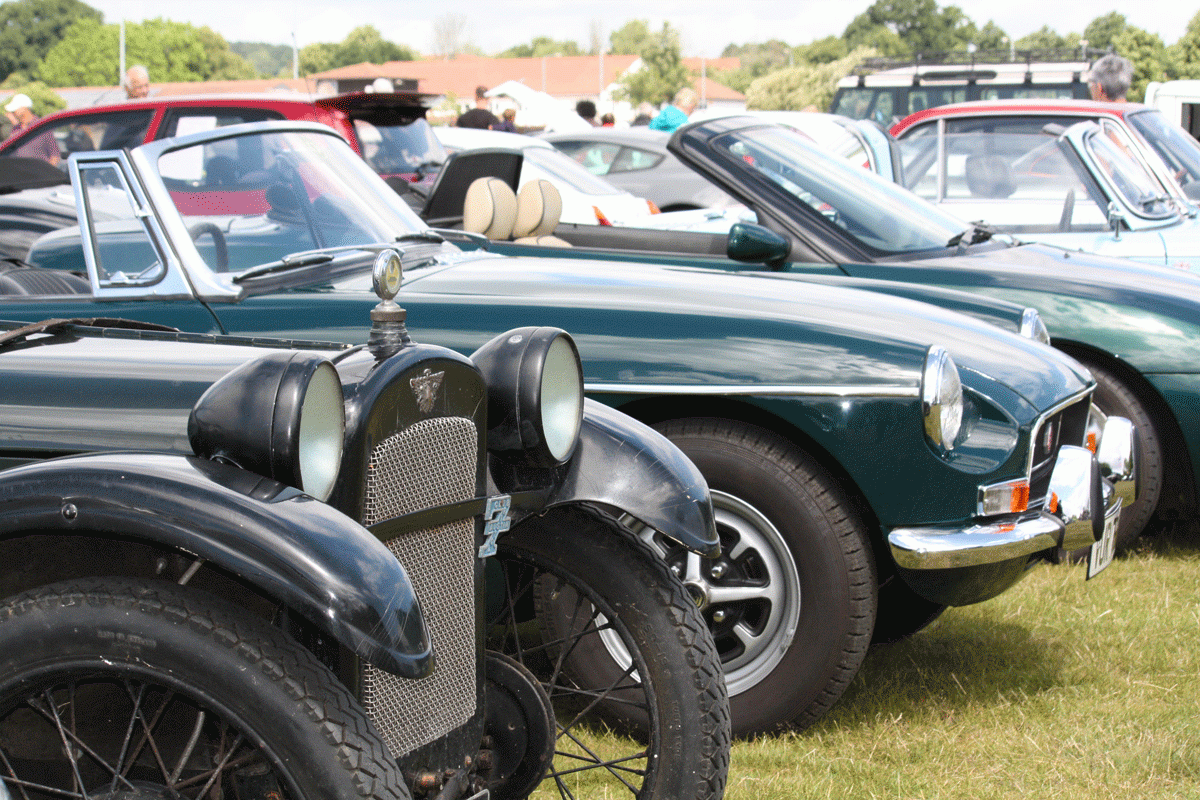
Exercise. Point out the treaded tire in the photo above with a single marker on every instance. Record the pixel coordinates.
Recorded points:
(1113, 397)
(598, 594)
(108, 653)
(830, 556)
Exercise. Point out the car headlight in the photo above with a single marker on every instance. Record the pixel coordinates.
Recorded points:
(282, 416)
(535, 394)
(1032, 326)
(941, 399)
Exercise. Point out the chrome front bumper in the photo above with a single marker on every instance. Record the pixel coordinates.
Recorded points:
(1085, 490)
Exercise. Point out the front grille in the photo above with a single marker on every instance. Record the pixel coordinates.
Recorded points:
(430, 463)
(1065, 426)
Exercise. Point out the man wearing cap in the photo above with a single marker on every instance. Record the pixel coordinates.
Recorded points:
(43, 146)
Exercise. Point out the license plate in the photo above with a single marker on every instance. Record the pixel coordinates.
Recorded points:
(1101, 554)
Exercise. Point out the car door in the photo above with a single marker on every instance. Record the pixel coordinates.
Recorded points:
(121, 268)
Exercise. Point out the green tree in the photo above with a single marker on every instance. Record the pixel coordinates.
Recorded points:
(1185, 53)
(30, 28)
(1102, 32)
(804, 86)
(919, 24)
(317, 57)
(663, 72)
(268, 60)
(823, 51)
(1151, 61)
(45, 100)
(1046, 38)
(223, 63)
(88, 54)
(362, 45)
(630, 38)
(542, 46)
(991, 37)
(365, 44)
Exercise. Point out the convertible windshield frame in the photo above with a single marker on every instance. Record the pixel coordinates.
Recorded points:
(881, 217)
(311, 192)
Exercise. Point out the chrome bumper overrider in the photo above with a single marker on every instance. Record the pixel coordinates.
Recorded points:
(1085, 490)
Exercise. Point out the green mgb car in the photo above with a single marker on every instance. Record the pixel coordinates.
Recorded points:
(871, 459)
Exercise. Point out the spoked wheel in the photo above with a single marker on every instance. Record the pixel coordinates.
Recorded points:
(618, 646)
(125, 690)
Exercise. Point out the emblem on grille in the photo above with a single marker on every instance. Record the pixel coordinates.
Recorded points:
(425, 386)
(498, 521)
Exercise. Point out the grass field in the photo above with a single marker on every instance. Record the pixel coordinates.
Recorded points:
(1059, 688)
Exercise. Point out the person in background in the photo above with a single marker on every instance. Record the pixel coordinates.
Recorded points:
(479, 116)
(137, 82)
(587, 110)
(43, 146)
(608, 120)
(508, 121)
(677, 112)
(1109, 78)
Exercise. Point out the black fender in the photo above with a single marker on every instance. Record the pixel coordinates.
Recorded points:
(293, 548)
(622, 463)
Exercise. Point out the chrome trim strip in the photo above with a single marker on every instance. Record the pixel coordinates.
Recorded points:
(938, 548)
(1041, 420)
(771, 390)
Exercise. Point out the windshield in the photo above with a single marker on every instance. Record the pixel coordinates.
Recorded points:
(1137, 187)
(395, 147)
(268, 195)
(561, 168)
(1172, 143)
(874, 211)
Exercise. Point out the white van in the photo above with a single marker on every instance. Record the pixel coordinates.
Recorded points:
(1179, 101)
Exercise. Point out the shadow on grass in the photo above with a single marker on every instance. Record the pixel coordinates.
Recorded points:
(956, 664)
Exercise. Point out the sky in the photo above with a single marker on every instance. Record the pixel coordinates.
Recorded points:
(706, 27)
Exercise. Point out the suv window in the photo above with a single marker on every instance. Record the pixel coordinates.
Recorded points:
(103, 131)
(179, 121)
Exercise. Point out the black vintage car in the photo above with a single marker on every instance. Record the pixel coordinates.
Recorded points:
(332, 571)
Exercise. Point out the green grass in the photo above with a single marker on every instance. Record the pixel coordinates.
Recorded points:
(1059, 688)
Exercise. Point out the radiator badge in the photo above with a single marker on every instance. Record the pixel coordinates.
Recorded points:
(425, 387)
(498, 521)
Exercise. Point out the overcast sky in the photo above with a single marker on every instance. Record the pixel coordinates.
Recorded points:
(706, 26)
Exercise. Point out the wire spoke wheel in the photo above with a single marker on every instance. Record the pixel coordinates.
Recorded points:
(120, 689)
(632, 717)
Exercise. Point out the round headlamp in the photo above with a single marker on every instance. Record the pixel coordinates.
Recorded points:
(281, 416)
(941, 399)
(535, 394)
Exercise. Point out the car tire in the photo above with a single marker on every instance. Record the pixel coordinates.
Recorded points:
(1113, 397)
(792, 601)
(167, 691)
(618, 645)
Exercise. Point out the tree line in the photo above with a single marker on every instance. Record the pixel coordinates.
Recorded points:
(66, 43)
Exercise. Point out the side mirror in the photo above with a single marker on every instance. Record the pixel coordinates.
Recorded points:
(1116, 218)
(755, 244)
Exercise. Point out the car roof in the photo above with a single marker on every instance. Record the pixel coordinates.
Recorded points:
(476, 138)
(277, 100)
(1082, 108)
(640, 136)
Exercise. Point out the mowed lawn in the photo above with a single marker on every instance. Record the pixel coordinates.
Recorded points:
(1059, 688)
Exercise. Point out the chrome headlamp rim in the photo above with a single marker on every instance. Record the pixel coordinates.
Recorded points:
(942, 401)
(535, 395)
(281, 416)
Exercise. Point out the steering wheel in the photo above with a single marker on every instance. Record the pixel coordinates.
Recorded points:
(220, 247)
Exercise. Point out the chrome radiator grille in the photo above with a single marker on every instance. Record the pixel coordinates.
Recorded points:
(431, 463)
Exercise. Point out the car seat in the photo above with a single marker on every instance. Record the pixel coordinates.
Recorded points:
(26, 281)
(490, 209)
(989, 176)
(539, 207)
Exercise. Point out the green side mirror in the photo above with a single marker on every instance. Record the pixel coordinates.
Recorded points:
(756, 244)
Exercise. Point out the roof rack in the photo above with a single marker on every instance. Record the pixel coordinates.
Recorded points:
(963, 57)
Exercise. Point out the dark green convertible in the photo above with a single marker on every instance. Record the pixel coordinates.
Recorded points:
(871, 459)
